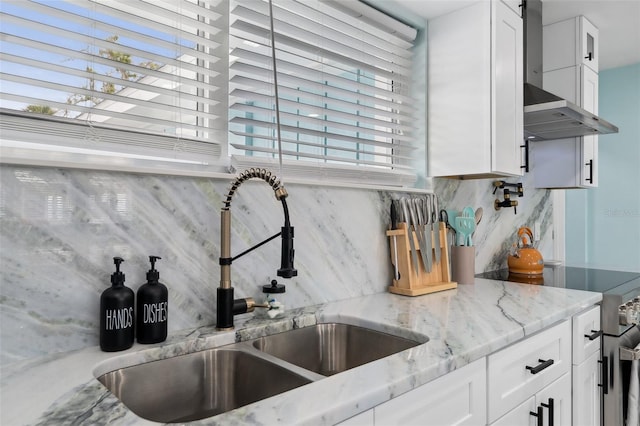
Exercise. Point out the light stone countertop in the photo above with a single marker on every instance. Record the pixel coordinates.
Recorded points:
(462, 325)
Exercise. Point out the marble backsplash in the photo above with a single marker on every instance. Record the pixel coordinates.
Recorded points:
(60, 229)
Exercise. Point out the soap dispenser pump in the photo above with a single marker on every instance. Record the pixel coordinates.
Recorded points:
(117, 313)
(152, 307)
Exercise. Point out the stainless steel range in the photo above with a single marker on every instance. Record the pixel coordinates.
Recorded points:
(619, 320)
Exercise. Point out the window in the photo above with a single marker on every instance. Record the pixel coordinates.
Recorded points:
(192, 81)
(135, 78)
(343, 74)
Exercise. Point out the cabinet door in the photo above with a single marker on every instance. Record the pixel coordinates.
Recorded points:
(459, 93)
(556, 399)
(507, 117)
(588, 52)
(570, 43)
(589, 98)
(586, 392)
(455, 399)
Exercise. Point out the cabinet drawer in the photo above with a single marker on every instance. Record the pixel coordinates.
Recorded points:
(457, 398)
(519, 371)
(585, 327)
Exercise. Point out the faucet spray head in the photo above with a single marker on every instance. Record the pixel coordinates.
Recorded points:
(287, 254)
(286, 263)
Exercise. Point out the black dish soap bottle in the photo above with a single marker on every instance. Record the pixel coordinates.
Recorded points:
(152, 307)
(116, 313)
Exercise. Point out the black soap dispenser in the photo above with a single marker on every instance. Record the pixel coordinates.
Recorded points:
(152, 307)
(117, 313)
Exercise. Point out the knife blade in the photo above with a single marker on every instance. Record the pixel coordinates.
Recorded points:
(435, 226)
(394, 226)
(404, 204)
(418, 230)
(425, 233)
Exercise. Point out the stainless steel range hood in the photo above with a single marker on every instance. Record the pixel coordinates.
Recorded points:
(547, 116)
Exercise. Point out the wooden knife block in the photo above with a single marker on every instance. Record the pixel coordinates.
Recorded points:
(423, 282)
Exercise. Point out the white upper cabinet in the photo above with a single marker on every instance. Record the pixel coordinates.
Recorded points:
(570, 43)
(570, 74)
(475, 85)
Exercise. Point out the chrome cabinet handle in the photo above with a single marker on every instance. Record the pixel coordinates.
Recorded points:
(594, 334)
(538, 368)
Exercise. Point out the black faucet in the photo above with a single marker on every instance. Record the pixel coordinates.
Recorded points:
(227, 306)
(508, 202)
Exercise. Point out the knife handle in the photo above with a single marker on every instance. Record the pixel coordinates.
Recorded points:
(394, 216)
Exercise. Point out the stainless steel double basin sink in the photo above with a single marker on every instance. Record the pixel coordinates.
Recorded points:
(206, 383)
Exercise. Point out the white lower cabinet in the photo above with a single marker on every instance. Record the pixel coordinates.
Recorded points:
(455, 399)
(520, 371)
(537, 381)
(586, 392)
(586, 368)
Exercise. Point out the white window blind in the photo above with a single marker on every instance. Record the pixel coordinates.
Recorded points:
(343, 74)
(144, 77)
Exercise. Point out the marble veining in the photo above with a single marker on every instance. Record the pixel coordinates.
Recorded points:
(462, 325)
(60, 229)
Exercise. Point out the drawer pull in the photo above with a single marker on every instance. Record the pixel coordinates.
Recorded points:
(595, 334)
(538, 416)
(551, 411)
(605, 375)
(538, 368)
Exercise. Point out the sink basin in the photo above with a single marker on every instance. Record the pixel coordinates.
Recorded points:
(198, 385)
(328, 349)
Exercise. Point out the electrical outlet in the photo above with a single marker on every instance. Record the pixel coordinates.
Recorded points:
(536, 231)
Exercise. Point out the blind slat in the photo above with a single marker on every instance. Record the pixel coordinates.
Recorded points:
(349, 90)
(324, 171)
(328, 125)
(320, 134)
(259, 86)
(312, 50)
(311, 155)
(304, 29)
(171, 91)
(395, 154)
(317, 75)
(90, 40)
(322, 109)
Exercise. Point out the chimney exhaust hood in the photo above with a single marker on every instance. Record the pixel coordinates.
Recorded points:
(547, 116)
